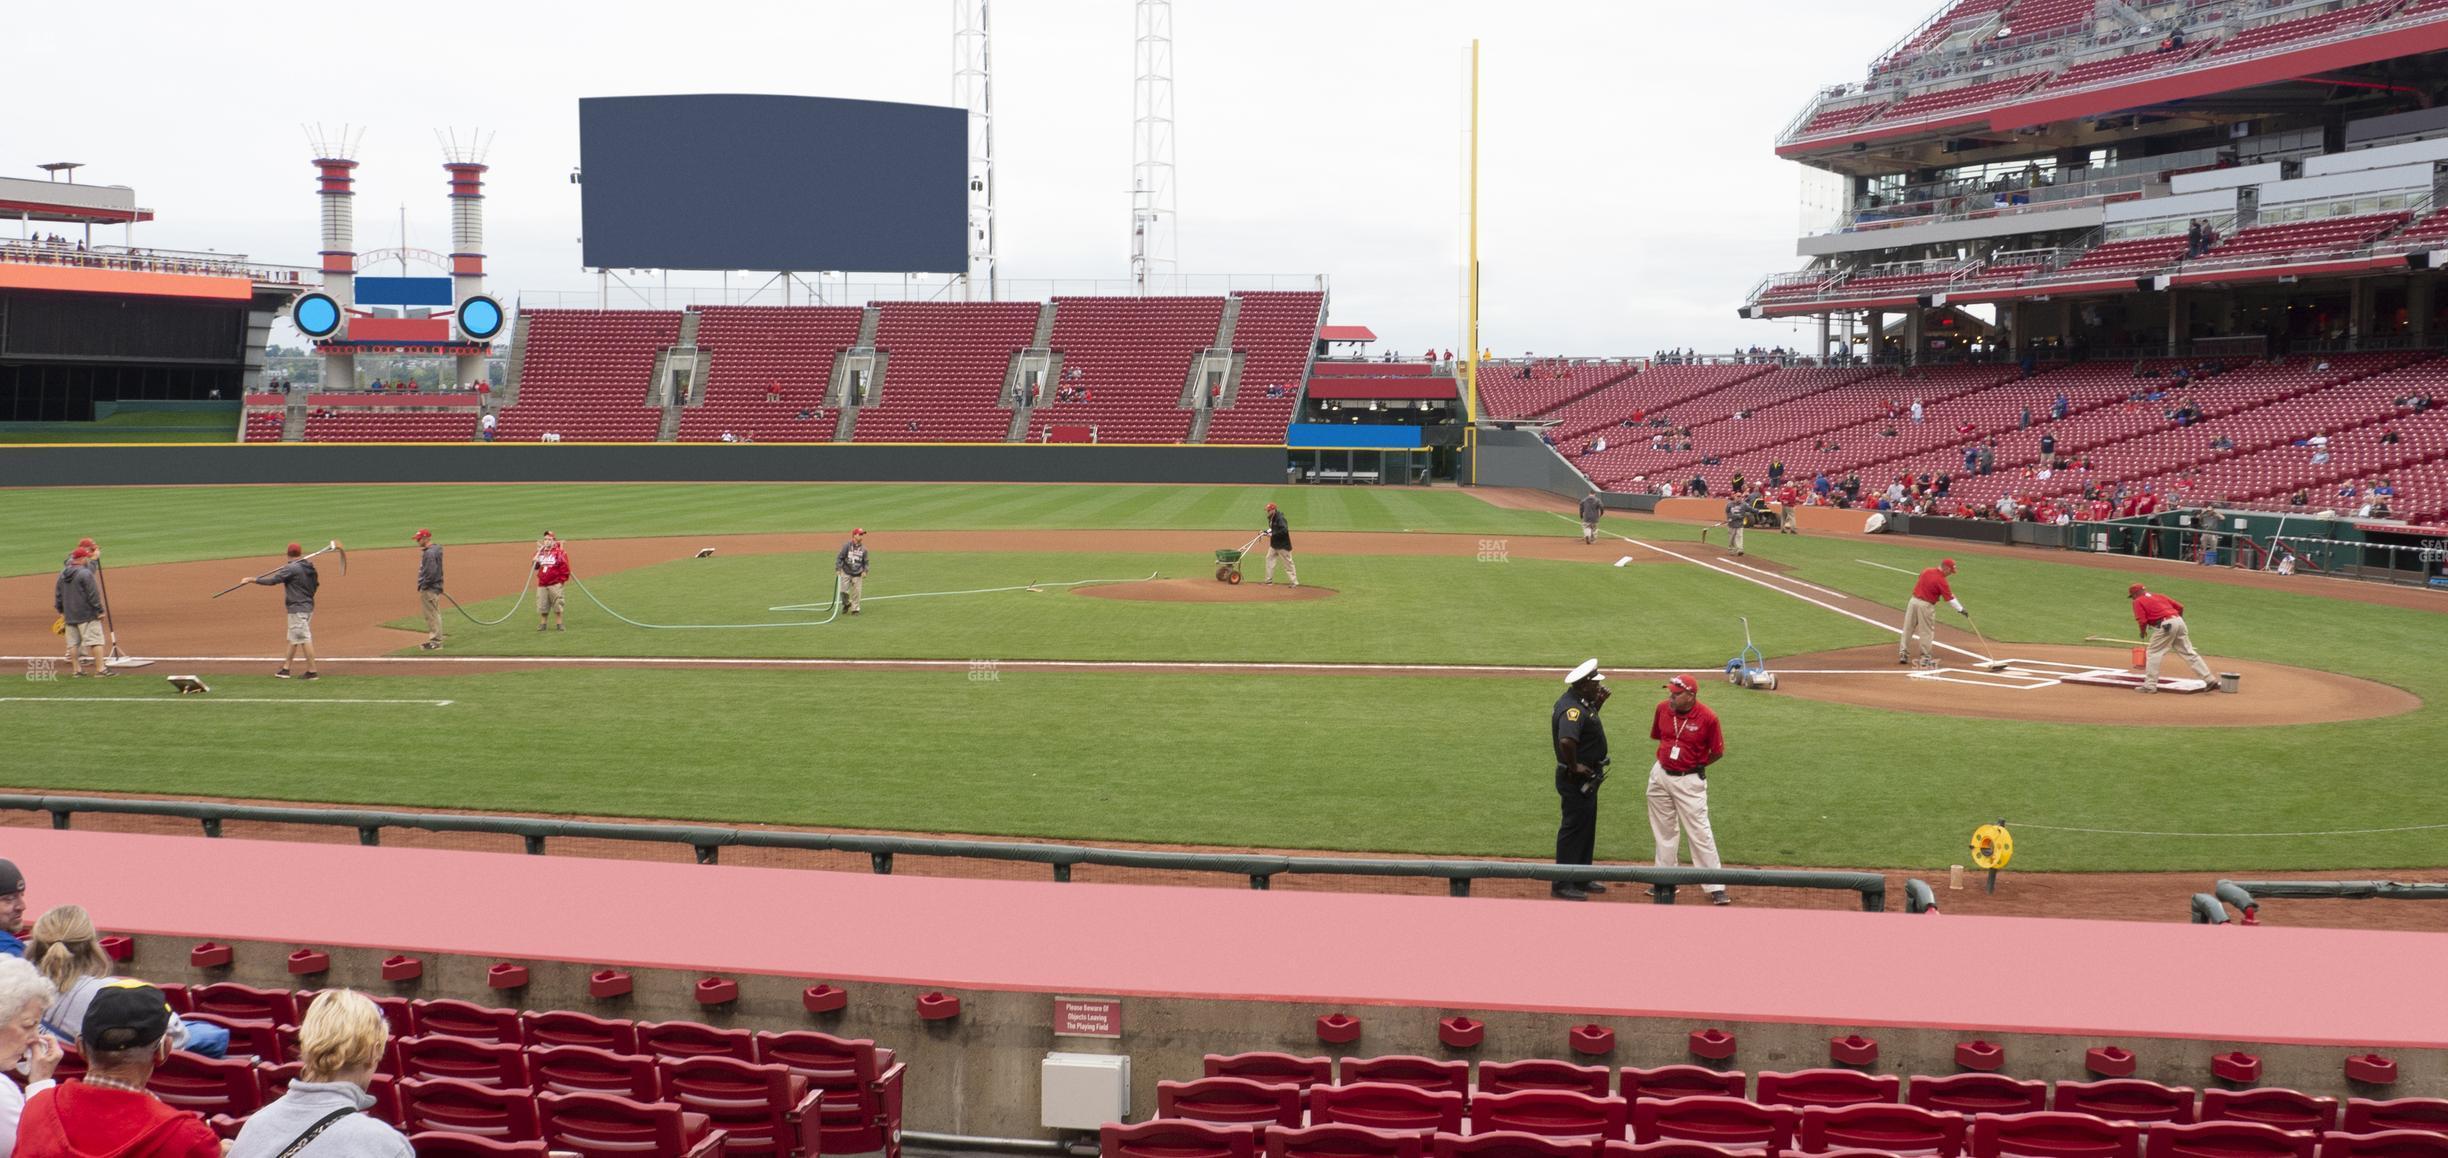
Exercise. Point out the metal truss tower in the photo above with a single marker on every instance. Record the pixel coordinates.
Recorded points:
(973, 89)
(1152, 212)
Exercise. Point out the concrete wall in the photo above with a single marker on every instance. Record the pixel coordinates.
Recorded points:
(1516, 458)
(977, 1074)
(194, 465)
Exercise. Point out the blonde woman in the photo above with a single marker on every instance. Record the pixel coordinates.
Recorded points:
(24, 995)
(323, 1114)
(68, 950)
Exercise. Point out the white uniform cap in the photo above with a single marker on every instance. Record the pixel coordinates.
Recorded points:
(1588, 670)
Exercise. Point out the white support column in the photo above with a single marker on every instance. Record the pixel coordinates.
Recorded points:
(1152, 172)
(973, 89)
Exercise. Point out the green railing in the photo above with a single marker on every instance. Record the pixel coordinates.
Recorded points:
(708, 841)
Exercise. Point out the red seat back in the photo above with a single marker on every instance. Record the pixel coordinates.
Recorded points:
(2270, 1106)
(1273, 1068)
(1828, 1087)
(1407, 1070)
(1511, 1144)
(2385, 1144)
(206, 1085)
(466, 1019)
(759, 1106)
(2053, 1135)
(1230, 1100)
(562, 1027)
(2225, 1140)
(443, 1144)
(1977, 1094)
(579, 1069)
(243, 1002)
(2124, 1100)
(451, 1106)
(1671, 1148)
(1543, 1074)
(2371, 1116)
(1681, 1082)
(684, 1039)
(1176, 1138)
(606, 1126)
(1385, 1106)
(1551, 1114)
(1342, 1141)
(260, 1040)
(1883, 1127)
(1729, 1122)
(482, 1062)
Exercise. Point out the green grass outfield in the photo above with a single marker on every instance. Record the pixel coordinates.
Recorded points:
(1423, 764)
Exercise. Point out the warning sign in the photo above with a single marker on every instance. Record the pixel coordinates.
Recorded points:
(1087, 1017)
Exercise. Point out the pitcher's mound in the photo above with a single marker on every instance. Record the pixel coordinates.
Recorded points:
(1204, 589)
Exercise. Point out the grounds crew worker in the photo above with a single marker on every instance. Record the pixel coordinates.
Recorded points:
(298, 582)
(1591, 509)
(1581, 760)
(1689, 740)
(2163, 628)
(78, 599)
(1921, 613)
(1737, 513)
(429, 588)
(850, 569)
(552, 570)
(1279, 545)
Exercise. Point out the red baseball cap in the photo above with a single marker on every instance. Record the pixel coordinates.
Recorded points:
(2134, 592)
(1684, 683)
(1947, 565)
(294, 549)
(81, 553)
(88, 544)
(1270, 506)
(858, 530)
(422, 534)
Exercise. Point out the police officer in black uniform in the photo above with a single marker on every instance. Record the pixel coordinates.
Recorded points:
(1581, 760)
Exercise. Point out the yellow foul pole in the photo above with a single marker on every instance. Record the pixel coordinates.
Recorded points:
(1470, 278)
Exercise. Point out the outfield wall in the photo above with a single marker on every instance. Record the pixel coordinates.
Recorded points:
(1516, 458)
(215, 464)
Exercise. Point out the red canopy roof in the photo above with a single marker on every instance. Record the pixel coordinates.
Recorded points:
(1346, 334)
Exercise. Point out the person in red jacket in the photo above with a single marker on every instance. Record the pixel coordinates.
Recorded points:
(1921, 613)
(1688, 741)
(2163, 630)
(108, 1113)
(552, 569)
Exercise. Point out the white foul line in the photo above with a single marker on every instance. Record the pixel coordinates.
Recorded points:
(1783, 578)
(1882, 566)
(678, 661)
(202, 699)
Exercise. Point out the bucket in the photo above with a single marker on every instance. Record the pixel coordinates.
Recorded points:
(2140, 655)
(2228, 680)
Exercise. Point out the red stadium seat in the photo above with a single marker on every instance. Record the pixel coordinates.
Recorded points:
(206, 1085)
(1385, 1106)
(2369, 1116)
(443, 1144)
(2270, 1106)
(604, 1126)
(2226, 1140)
(1729, 1122)
(861, 1084)
(1827, 1087)
(448, 1105)
(232, 1001)
(1405, 1070)
(683, 1039)
(2124, 1100)
(469, 1021)
(1671, 1148)
(562, 1027)
(1976, 1094)
(1238, 1101)
(1542, 1074)
(1340, 1141)
(1682, 1082)
(260, 1040)
(1176, 1138)
(574, 1069)
(1273, 1068)
(484, 1063)
(2385, 1144)
(1512, 1144)
(1551, 1114)
(766, 1109)
(1884, 1127)
(2053, 1135)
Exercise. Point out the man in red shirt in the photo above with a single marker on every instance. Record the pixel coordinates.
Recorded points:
(1688, 741)
(552, 569)
(1921, 614)
(108, 1111)
(2163, 629)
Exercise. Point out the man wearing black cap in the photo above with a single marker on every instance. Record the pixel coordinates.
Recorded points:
(1581, 760)
(12, 908)
(108, 1111)
(850, 570)
(1279, 546)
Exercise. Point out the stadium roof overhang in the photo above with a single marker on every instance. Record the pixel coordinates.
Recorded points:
(1346, 334)
(2043, 119)
(1413, 389)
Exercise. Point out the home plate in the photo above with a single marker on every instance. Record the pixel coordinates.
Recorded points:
(1626, 559)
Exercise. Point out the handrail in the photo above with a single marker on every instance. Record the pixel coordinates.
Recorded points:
(708, 842)
(29, 252)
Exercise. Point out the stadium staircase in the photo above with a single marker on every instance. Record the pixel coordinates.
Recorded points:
(748, 353)
(683, 354)
(1206, 408)
(1039, 356)
(1274, 339)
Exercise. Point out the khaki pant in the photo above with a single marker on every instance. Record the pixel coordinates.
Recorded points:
(2169, 635)
(1290, 572)
(849, 587)
(431, 602)
(549, 599)
(1734, 532)
(1920, 623)
(1681, 802)
(301, 627)
(1589, 531)
(84, 635)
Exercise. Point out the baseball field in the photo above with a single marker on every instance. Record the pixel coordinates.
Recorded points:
(1060, 662)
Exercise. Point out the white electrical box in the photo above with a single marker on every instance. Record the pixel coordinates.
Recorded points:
(1083, 1091)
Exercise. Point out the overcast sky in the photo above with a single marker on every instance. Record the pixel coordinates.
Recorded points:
(1629, 194)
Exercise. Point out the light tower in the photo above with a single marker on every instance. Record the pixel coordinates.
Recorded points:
(1152, 255)
(973, 89)
(334, 159)
(464, 161)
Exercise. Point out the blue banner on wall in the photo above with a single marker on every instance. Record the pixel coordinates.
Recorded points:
(404, 291)
(1351, 437)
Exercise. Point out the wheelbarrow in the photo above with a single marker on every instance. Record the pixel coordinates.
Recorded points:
(1228, 561)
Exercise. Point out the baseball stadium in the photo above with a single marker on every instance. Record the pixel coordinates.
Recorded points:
(746, 707)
